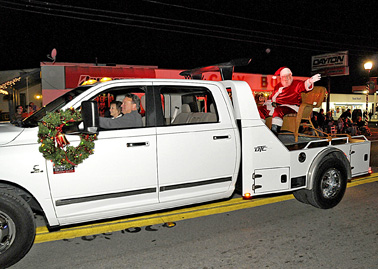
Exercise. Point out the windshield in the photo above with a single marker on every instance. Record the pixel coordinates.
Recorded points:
(32, 120)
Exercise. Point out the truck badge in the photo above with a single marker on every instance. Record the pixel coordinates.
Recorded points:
(36, 169)
(260, 148)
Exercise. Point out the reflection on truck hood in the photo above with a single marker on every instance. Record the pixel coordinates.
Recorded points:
(8, 132)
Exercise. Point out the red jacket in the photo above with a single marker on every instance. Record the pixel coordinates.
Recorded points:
(289, 95)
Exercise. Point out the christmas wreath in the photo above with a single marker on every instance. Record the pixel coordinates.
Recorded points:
(54, 145)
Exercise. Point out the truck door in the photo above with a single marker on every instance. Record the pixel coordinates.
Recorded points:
(119, 178)
(197, 146)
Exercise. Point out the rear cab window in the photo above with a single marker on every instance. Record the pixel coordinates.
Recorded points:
(187, 105)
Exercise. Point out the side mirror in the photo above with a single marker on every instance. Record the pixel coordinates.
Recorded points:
(89, 114)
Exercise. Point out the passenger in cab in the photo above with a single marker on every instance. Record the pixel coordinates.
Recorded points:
(131, 118)
(115, 109)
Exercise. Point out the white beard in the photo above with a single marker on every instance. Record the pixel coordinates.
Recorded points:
(287, 83)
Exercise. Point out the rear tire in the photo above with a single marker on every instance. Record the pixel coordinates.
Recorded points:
(17, 228)
(329, 183)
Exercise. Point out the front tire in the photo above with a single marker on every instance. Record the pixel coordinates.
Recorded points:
(17, 228)
(329, 183)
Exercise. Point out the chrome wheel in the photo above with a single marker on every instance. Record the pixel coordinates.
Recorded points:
(329, 180)
(7, 232)
(331, 183)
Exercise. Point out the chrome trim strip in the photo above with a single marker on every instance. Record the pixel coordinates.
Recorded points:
(195, 184)
(77, 200)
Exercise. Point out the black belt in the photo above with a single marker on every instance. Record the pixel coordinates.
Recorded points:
(274, 104)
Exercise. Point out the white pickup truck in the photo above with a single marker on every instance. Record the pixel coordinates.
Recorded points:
(196, 145)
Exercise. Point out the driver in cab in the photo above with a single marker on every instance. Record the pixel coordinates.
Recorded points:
(131, 117)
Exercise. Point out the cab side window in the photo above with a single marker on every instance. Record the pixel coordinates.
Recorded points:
(188, 105)
(121, 107)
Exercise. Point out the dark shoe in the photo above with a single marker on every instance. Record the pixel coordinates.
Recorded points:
(276, 129)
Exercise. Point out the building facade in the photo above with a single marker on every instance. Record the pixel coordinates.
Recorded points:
(51, 80)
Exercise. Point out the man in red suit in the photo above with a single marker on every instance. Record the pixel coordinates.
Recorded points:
(286, 97)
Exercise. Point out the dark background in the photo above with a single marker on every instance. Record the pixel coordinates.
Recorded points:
(188, 34)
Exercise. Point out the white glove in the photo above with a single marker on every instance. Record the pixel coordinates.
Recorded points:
(314, 78)
(268, 102)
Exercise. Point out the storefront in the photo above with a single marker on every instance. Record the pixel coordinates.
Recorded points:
(19, 87)
(341, 102)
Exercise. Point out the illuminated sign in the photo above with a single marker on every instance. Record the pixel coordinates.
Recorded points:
(257, 82)
(329, 60)
(76, 75)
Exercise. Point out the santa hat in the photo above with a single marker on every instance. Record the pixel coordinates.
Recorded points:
(283, 71)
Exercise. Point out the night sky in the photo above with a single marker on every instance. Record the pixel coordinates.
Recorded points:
(188, 34)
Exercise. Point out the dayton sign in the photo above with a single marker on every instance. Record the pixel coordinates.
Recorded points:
(331, 64)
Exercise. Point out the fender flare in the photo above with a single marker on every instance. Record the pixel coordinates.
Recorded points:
(315, 164)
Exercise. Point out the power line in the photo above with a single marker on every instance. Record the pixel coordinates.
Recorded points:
(202, 24)
(47, 6)
(127, 24)
(256, 20)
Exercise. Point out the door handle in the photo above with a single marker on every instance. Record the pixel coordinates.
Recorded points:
(217, 137)
(137, 144)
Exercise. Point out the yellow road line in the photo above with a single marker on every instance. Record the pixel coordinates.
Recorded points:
(43, 235)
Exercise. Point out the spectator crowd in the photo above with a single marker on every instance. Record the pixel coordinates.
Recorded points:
(348, 122)
(22, 113)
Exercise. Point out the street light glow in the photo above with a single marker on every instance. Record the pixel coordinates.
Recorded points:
(368, 65)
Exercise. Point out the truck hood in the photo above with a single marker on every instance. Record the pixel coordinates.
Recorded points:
(8, 133)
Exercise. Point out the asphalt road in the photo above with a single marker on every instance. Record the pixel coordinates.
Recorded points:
(286, 234)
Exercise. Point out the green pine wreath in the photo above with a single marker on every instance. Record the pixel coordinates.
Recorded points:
(50, 127)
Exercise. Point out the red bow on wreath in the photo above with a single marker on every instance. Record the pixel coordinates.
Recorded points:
(60, 138)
